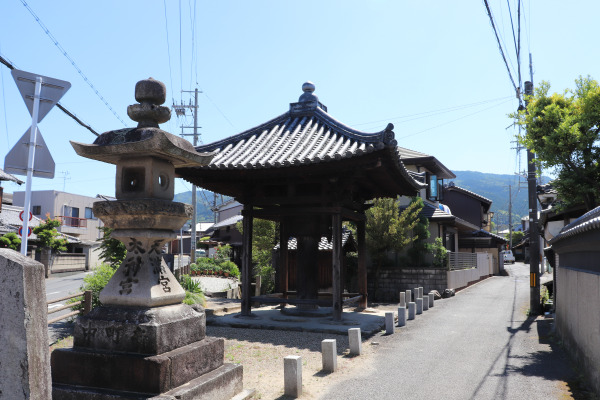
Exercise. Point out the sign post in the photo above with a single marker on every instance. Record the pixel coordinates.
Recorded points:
(40, 94)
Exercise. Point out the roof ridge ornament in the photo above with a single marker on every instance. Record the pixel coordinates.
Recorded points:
(307, 102)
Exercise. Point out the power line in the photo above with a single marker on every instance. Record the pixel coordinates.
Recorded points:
(5, 115)
(454, 120)
(69, 113)
(427, 114)
(168, 50)
(64, 52)
(489, 12)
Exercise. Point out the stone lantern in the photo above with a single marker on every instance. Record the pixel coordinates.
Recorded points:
(143, 340)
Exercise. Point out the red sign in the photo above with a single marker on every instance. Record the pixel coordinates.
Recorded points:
(21, 215)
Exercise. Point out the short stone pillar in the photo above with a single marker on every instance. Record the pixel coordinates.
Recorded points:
(421, 292)
(401, 316)
(402, 299)
(389, 323)
(329, 355)
(416, 293)
(431, 299)
(425, 303)
(24, 355)
(412, 310)
(408, 296)
(355, 341)
(292, 376)
(419, 302)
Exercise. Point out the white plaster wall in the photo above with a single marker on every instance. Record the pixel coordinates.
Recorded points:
(578, 318)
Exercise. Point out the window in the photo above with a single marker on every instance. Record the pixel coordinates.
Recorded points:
(89, 213)
(36, 210)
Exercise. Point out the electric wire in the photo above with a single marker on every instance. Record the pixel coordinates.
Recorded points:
(454, 120)
(9, 65)
(489, 12)
(168, 50)
(64, 52)
(4, 106)
(427, 114)
(180, 52)
(219, 110)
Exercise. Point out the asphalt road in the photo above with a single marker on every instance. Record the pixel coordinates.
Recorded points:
(479, 344)
(59, 286)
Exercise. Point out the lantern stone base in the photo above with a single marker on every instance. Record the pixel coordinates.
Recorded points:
(143, 353)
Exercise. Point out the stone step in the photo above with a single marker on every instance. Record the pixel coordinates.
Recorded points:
(136, 373)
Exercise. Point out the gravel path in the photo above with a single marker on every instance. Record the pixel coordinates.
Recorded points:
(261, 352)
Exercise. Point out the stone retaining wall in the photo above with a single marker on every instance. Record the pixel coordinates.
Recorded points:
(394, 280)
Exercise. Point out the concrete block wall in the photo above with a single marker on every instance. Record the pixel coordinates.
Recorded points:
(394, 280)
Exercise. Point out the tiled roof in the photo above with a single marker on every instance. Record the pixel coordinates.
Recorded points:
(324, 244)
(295, 139)
(587, 222)
(468, 192)
(412, 157)
(9, 216)
(4, 176)
(483, 232)
(434, 213)
(227, 222)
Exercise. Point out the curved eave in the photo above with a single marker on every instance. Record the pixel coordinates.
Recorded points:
(159, 144)
(432, 164)
(588, 222)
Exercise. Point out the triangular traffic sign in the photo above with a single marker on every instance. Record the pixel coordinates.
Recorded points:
(15, 161)
(52, 91)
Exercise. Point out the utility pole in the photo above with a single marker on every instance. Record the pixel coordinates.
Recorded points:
(510, 225)
(534, 237)
(180, 110)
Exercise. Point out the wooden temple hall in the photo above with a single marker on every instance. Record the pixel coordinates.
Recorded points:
(309, 172)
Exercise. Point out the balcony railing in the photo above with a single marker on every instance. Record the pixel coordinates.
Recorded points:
(461, 260)
(73, 222)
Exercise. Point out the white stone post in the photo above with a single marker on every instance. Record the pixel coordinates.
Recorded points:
(408, 296)
(431, 299)
(419, 302)
(389, 323)
(292, 376)
(416, 293)
(355, 341)
(329, 355)
(401, 316)
(421, 292)
(402, 299)
(425, 303)
(412, 308)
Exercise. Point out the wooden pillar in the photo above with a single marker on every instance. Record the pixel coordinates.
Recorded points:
(247, 259)
(362, 264)
(283, 257)
(336, 266)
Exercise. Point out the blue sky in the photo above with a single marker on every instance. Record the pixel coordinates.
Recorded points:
(433, 69)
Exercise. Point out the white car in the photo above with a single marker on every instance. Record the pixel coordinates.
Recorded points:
(508, 257)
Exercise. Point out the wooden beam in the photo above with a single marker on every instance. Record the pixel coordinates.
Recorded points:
(337, 266)
(247, 259)
(362, 263)
(283, 257)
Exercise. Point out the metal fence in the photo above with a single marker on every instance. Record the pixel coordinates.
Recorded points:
(87, 306)
(461, 260)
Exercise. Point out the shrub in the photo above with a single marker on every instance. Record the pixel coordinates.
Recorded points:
(10, 240)
(222, 254)
(231, 268)
(205, 263)
(94, 282)
(193, 291)
(439, 253)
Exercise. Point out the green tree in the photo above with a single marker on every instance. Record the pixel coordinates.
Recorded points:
(48, 236)
(94, 282)
(10, 240)
(387, 229)
(517, 236)
(420, 247)
(112, 251)
(563, 130)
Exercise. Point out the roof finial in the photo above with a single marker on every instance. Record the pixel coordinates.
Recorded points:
(308, 88)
